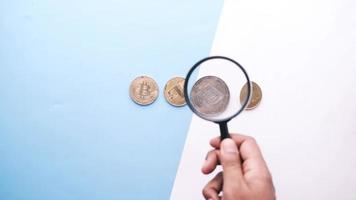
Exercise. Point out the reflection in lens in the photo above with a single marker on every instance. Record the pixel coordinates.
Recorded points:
(210, 96)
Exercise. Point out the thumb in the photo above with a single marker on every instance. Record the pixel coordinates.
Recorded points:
(231, 162)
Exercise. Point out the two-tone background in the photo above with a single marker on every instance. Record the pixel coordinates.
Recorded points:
(68, 129)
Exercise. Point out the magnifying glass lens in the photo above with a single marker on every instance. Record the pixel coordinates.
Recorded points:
(213, 88)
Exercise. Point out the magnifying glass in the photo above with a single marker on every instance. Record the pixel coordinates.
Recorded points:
(212, 90)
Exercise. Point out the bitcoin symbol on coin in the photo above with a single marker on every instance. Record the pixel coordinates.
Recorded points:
(143, 90)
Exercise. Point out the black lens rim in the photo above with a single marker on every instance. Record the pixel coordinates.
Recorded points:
(187, 99)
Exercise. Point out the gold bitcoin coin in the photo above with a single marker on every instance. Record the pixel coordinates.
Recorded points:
(174, 91)
(143, 90)
(256, 96)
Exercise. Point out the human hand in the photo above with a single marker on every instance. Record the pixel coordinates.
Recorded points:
(245, 175)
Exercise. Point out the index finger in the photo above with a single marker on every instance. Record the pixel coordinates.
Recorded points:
(238, 138)
(250, 146)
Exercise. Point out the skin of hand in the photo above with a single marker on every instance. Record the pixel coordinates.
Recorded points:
(245, 175)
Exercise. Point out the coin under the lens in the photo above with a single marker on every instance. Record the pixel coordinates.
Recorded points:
(210, 96)
(173, 91)
(256, 95)
(143, 90)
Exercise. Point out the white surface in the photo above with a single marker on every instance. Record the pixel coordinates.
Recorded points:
(303, 55)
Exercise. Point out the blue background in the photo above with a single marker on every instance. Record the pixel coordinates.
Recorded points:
(68, 129)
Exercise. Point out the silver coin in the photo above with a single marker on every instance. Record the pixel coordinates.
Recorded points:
(210, 96)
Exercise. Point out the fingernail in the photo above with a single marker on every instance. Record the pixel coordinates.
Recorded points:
(206, 161)
(228, 146)
(205, 164)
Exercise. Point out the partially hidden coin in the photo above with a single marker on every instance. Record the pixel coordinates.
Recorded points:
(173, 91)
(143, 90)
(210, 96)
(256, 95)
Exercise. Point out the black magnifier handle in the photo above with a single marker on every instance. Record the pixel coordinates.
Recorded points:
(224, 131)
